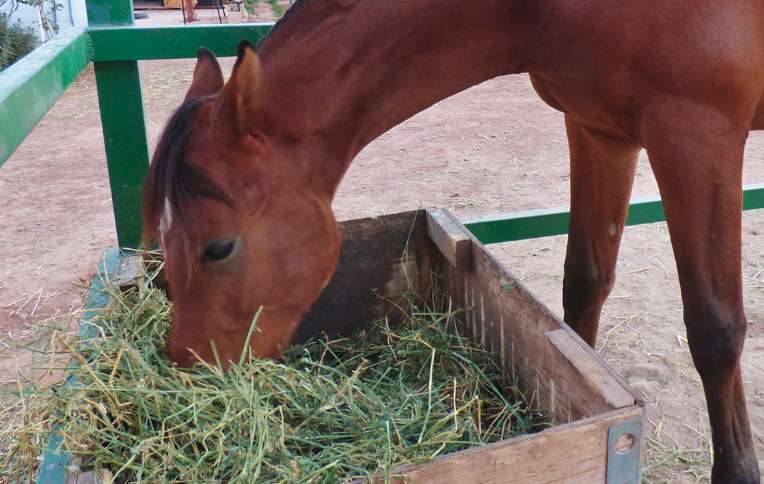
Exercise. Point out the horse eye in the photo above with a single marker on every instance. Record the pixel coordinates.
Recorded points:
(218, 250)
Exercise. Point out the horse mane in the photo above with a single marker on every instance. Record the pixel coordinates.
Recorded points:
(171, 178)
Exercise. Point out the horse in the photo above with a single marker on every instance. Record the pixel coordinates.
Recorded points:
(240, 187)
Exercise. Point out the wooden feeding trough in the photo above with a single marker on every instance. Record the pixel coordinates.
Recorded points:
(596, 422)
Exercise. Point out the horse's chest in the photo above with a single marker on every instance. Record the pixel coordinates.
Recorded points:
(605, 108)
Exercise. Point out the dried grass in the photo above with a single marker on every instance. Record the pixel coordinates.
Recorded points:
(335, 409)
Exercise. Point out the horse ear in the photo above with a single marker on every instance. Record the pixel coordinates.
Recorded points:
(208, 77)
(241, 94)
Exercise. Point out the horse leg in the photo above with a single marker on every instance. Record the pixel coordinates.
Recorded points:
(699, 173)
(601, 177)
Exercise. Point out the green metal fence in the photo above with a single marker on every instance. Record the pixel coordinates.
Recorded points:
(29, 88)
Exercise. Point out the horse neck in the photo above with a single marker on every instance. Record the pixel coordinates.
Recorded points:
(339, 73)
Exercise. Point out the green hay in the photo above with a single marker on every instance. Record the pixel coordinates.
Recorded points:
(335, 409)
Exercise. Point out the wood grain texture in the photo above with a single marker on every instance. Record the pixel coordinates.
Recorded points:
(450, 236)
(592, 372)
(570, 453)
(503, 315)
(380, 260)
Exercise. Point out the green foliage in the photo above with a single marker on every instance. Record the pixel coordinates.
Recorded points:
(16, 41)
(249, 6)
(278, 10)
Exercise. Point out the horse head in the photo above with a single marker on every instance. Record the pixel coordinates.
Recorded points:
(241, 222)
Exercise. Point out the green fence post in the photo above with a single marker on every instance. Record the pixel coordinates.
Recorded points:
(123, 123)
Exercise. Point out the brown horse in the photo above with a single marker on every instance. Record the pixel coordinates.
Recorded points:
(240, 189)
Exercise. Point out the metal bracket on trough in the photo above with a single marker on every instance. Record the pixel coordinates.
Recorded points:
(624, 444)
(451, 237)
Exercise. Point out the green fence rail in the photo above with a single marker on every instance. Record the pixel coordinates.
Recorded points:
(138, 43)
(30, 87)
(532, 224)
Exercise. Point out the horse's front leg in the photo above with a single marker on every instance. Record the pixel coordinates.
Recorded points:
(601, 176)
(697, 156)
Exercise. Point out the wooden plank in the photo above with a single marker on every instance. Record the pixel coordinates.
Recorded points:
(451, 238)
(570, 453)
(381, 259)
(509, 320)
(591, 371)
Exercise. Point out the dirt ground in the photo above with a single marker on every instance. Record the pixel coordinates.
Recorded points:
(495, 148)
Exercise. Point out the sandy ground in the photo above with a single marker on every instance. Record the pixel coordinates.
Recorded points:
(495, 148)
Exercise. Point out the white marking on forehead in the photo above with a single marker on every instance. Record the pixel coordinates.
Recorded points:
(165, 220)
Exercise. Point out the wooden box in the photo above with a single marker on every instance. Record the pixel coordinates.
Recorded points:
(595, 436)
(597, 421)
